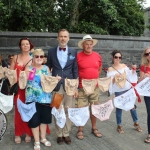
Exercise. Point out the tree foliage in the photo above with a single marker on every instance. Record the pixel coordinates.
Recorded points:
(114, 17)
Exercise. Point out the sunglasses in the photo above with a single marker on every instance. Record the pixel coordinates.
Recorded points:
(147, 54)
(39, 56)
(116, 57)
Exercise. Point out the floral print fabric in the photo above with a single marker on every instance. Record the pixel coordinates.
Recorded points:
(34, 91)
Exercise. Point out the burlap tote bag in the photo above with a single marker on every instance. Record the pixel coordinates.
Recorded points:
(22, 79)
(121, 80)
(11, 75)
(104, 83)
(103, 111)
(89, 85)
(1, 72)
(48, 83)
(71, 86)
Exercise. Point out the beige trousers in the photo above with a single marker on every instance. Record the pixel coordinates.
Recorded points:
(68, 101)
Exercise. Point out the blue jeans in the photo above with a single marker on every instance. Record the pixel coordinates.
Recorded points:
(119, 112)
(147, 103)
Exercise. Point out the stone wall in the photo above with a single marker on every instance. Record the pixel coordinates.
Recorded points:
(131, 47)
(147, 22)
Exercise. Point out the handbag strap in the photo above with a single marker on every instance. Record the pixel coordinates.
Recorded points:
(27, 63)
(121, 74)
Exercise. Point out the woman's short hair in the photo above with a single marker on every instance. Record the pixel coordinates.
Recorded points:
(31, 45)
(38, 51)
(144, 59)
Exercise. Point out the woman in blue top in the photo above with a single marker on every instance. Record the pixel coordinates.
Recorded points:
(35, 93)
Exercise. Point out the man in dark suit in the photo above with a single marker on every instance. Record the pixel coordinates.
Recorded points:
(62, 61)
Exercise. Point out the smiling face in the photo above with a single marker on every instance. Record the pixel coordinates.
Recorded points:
(38, 56)
(25, 45)
(87, 47)
(117, 58)
(38, 59)
(63, 38)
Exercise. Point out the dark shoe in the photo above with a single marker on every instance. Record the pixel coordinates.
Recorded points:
(60, 140)
(67, 140)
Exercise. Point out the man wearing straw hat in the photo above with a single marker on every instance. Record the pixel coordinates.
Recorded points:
(89, 67)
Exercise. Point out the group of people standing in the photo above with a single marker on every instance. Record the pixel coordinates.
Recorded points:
(67, 63)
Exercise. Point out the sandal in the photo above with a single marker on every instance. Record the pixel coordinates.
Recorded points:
(46, 142)
(120, 130)
(147, 140)
(17, 139)
(37, 146)
(80, 135)
(28, 139)
(96, 133)
(137, 127)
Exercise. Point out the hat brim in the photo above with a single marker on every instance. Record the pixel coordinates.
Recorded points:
(81, 42)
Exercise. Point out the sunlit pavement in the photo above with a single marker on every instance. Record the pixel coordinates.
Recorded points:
(111, 139)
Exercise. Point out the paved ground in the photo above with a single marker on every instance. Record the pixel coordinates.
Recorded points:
(111, 140)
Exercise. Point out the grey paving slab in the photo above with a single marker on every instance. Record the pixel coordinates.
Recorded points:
(111, 140)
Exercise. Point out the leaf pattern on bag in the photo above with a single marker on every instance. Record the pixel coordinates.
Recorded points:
(34, 91)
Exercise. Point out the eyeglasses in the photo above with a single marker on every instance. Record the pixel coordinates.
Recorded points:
(116, 57)
(147, 54)
(39, 56)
